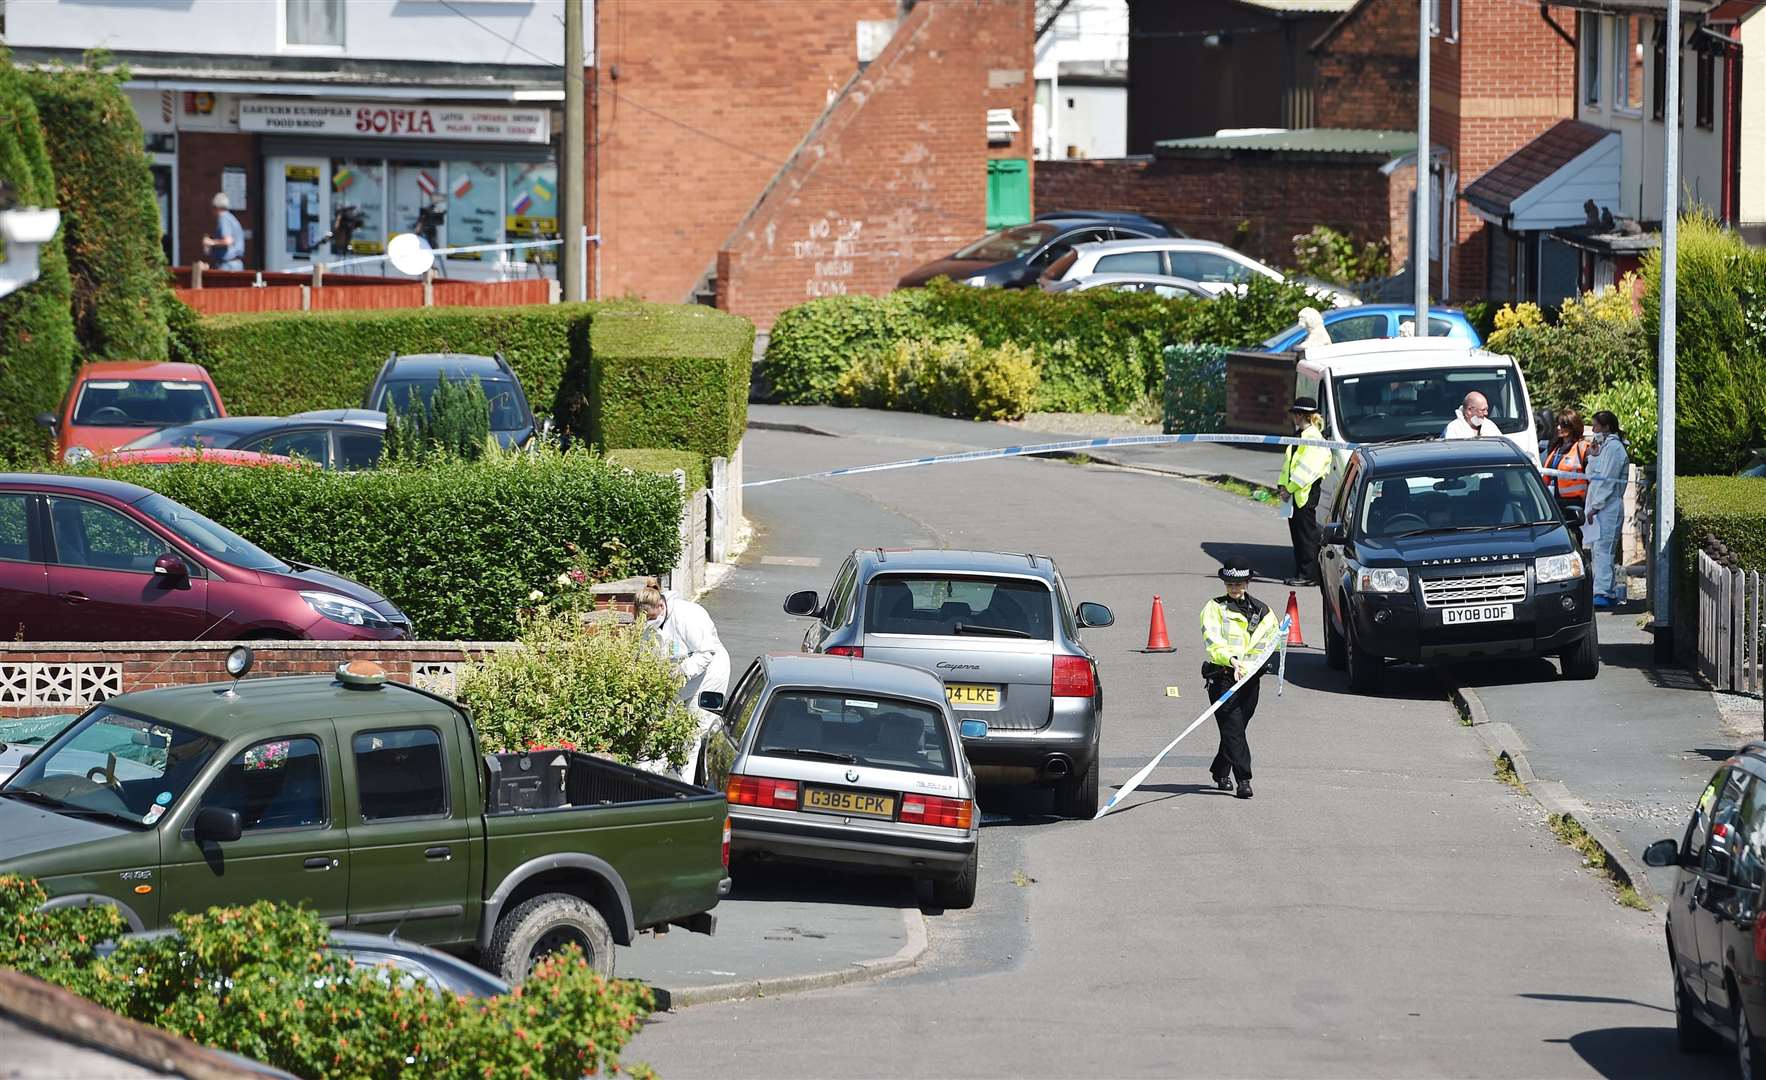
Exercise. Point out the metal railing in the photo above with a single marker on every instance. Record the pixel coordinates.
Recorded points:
(1729, 626)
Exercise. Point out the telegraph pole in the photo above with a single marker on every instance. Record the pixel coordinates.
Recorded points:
(1661, 589)
(571, 164)
(1419, 263)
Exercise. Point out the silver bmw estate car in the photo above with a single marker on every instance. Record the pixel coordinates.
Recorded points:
(850, 763)
(1002, 633)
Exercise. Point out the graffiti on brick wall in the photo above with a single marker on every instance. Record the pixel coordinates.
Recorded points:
(830, 251)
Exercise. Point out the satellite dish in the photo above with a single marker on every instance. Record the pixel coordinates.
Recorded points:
(410, 254)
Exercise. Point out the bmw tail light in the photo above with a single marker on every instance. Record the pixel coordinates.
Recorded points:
(933, 810)
(761, 791)
(1073, 677)
(857, 652)
(726, 843)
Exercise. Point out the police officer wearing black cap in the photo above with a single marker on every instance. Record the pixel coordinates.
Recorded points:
(1234, 627)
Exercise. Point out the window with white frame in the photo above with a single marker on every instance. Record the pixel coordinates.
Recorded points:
(1628, 63)
(1588, 39)
(313, 23)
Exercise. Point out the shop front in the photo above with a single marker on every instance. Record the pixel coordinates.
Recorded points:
(342, 178)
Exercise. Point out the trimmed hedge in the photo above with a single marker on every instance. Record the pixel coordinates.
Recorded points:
(109, 219)
(1195, 388)
(652, 460)
(36, 331)
(457, 545)
(1098, 350)
(1730, 508)
(669, 376)
(961, 378)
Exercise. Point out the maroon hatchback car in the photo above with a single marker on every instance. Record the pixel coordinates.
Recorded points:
(88, 559)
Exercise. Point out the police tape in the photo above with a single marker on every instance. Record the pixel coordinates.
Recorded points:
(1059, 448)
(1259, 659)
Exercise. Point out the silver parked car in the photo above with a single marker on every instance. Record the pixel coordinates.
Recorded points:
(850, 763)
(1002, 633)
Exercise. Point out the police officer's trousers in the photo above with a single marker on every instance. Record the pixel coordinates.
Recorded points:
(1305, 534)
(1234, 755)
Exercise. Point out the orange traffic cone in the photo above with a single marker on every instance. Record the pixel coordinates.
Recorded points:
(1157, 640)
(1294, 637)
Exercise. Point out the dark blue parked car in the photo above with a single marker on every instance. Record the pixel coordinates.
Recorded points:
(1366, 321)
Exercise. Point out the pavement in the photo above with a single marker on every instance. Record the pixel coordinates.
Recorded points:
(1384, 907)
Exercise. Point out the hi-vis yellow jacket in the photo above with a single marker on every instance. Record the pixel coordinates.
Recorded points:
(1304, 466)
(1233, 630)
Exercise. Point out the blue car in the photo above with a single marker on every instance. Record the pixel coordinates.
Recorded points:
(1366, 321)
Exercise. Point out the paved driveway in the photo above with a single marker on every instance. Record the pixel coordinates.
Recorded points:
(1382, 908)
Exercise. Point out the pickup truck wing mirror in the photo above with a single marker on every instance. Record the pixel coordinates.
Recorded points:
(1335, 533)
(1662, 853)
(711, 701)
(218, 825)
(802, 603)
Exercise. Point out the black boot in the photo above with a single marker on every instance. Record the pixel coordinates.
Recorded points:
(1244, 791)
(1224, 783)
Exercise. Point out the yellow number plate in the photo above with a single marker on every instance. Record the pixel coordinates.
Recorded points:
(856, 803)
(970, 694)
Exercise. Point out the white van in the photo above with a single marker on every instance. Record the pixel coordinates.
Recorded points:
(1392, 389)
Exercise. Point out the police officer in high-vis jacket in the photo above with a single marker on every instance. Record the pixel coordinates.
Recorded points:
(1303, 467)
(1234, 627)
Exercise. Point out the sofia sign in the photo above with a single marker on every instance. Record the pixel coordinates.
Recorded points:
(394, 120)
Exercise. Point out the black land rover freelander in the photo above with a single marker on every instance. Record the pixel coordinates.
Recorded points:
(1450, 550)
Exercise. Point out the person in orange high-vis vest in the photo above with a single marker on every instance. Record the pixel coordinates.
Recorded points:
(1568, 452)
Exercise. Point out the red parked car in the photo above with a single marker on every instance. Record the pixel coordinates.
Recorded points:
(89, 559)
(114, 402)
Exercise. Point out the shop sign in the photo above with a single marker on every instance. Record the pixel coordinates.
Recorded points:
(395, 120)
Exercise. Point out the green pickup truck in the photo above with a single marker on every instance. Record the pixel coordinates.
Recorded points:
(370, 803)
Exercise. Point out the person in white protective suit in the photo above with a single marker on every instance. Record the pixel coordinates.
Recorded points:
(685, 633)
(1604, 505)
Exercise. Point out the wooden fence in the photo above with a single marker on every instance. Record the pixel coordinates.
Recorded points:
(1729, 626)
(227, 292)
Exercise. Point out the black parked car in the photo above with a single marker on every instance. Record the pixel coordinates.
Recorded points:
(1716, 938)
(1447, 550)
(403, 377)
(1013, 258)
(353, 443)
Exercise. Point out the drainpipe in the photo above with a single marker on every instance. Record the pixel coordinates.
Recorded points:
(1730, 207)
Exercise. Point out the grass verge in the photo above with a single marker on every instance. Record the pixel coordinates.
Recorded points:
(1505, 771)
(1570, 831)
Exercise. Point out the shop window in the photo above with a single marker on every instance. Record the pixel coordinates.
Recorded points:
(358, 206)
(313, 23)
(475, 206)
(532, 200)
(417, 202)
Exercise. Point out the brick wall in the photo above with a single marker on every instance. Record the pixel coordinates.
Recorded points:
(1367, 68)
(1259, 389)
(895, 172)
(1211, 198)
(696, 104)
(202, 155)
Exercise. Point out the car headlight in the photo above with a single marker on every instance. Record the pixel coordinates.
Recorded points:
(1557, 567)
(73, 455)
(979, 281)
(1383, 580)
(340, 608)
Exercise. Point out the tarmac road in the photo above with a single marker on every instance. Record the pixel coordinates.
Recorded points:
(1383, 907)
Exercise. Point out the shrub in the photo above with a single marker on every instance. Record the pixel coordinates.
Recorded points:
(1564, 364)
(1729, 509)
(646, 459)
(36, 331)
(109, 217)
(671, 376)
(1329, 255)
(946, 378)
(1195, 388)
(455, 544)
(812, 344)
(598, 688)
(455, 423)
(258, 981)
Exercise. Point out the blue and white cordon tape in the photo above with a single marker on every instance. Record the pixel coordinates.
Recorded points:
(1256, 662)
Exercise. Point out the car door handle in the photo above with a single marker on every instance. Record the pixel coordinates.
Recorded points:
(438, 854)
(320, 862)
(75, 597)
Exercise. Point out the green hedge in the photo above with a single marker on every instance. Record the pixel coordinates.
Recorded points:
(652, 460)
(458, 546)
(1098, 350)
(36, 331)
(1730, 508)
(669, 376)
(109, 218)
(1195, 388)
(258, 981)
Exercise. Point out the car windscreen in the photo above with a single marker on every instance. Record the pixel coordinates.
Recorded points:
(1447, 499)
(143, 403)
(940, 604)
(1008, 244)
(1385, 405)
(199, 436)
(112, 764)
(507, 413)
(880, 732)
(208, 537)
